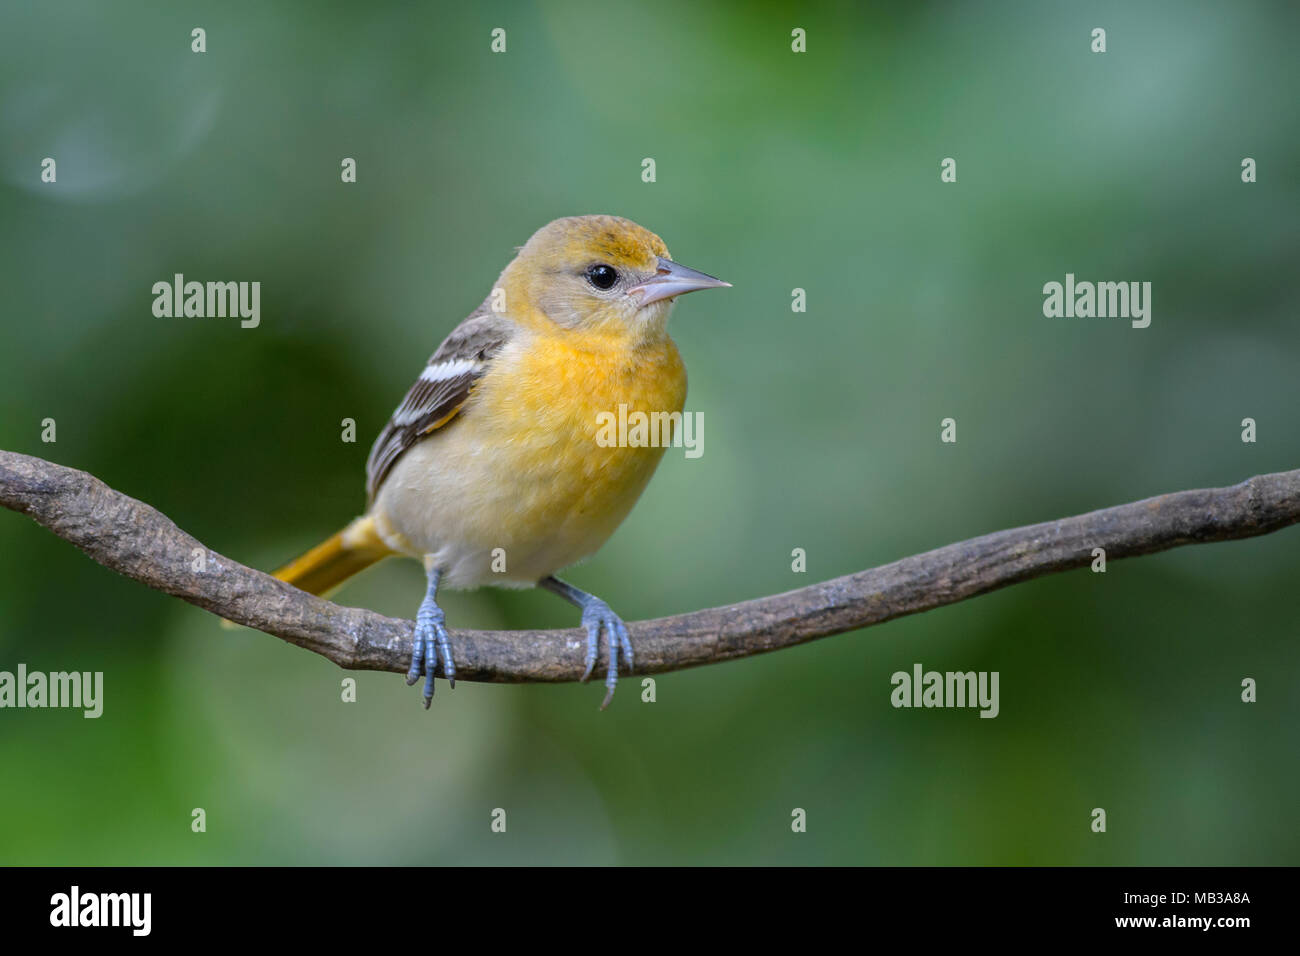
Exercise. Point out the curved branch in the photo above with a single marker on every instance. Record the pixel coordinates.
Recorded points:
(136, 540)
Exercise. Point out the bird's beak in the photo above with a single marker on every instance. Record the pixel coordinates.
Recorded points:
(672, 279)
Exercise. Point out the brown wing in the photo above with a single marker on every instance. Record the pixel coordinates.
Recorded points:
(440, 392)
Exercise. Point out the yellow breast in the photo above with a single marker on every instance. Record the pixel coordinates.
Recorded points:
(551, 414)
(527, 466)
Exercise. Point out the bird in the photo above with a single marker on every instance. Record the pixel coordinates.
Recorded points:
(490, 471)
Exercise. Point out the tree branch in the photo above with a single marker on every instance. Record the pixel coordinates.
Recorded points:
(136, 540)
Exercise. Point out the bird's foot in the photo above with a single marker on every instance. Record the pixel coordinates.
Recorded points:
(431, 642)
(596, 614)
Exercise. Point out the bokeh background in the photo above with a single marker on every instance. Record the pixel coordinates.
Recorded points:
(775, 171)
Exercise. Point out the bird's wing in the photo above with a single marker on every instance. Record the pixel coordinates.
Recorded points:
(440, 392)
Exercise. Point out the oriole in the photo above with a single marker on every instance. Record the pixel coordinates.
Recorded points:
(494, 446)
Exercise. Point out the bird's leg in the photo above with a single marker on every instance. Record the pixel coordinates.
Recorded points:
(595, 615)
(430, 633)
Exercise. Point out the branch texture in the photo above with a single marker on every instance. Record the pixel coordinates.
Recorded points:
(134, 539)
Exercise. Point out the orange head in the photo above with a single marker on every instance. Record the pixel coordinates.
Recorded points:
(601, 274)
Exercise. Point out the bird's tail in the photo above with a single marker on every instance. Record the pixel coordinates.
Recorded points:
(333, 561)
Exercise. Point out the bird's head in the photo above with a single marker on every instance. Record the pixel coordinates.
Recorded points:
(601, 274)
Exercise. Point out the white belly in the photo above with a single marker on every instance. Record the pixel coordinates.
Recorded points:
(485, 516)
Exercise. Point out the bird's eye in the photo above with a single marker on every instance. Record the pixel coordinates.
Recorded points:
(602, 276)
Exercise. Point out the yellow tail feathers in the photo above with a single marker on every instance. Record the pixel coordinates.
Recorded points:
(330, 563)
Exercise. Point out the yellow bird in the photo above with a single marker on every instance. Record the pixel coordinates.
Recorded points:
(495, 455)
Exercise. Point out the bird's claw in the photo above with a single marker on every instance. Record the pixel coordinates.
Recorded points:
(595, 616)
(431, 643)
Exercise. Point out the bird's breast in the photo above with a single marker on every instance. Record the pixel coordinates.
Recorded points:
(555, 412)
(537, 464)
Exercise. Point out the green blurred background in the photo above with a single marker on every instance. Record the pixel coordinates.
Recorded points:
(775, 171)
